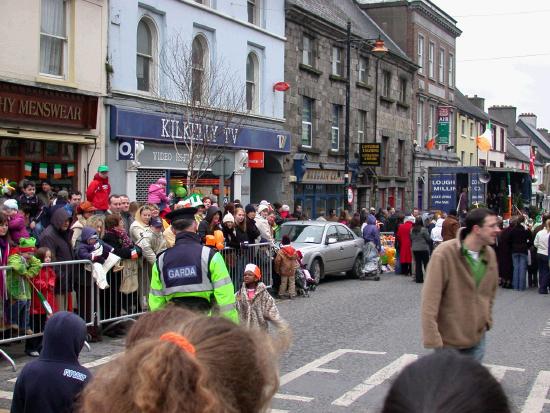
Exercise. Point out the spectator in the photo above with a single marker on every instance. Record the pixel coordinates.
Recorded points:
(115, 204)
(125, 213)
(332, 215)
(520, 239)
(344, 217)
(152, 242)
(52, 383)
(391, 220)
(168, 234)
(4, 253)
(266, 233)
(298, 212)
(229, 208)
(450, 226)
(355, 224)
(286, 264)
(141, 223)
(252, 230)
(420, 245)
(16, 221)
(60, 201)
(371, 233)
(156, 194)
(84, 211)
(272, 221)
(75, 199)
(285, 212)
(99, 189)
(403, 239)
(30, 204)
(207, 202)
(210, 223)
(435, 235)
(542, 244)
(46, 194)
(277, 207)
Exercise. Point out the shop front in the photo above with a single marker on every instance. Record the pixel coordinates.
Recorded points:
(42, 133)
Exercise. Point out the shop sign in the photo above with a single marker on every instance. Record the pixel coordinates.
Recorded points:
(477, 190)
(323, 176)
(168, 158)
(255, 159)
(370, 154)
(350, 195)
(27, 104)
(126, 150)
(443, 191)
(163, 127)
(443, 122)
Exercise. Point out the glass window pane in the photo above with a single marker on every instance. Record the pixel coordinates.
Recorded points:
(9, 147)
(53, 17)
(52, 149)
(51, 55)
(250, 68)
(306, 110)
(144, 39)
(67, 152)
(33, 149)
(306, 134)
(142, 73)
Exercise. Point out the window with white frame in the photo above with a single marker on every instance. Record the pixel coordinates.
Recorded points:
(252, 87)
(253, 11)
(463, 127)
(386, 87)
(363, 70)
(471, 159)
(199, 59)
(451, 70)
(337, 64)
(307, 121)
(53, 37)
(361, 125)
(420, 51)
(403, 90)
(335, 128)
(144, 59)
(431, 51)
(419, 122)
(307, 50)
(471, 130)
(441, 65)
(431, 122)
(462, 158)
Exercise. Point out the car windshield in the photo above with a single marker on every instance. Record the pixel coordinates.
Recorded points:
(303, 233)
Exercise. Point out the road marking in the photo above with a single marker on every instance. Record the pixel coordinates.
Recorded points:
(546, 330)
(278, 411)
(377, 378)
(7, 395)
(294, 397)
(498, 372)
(537, 397)
(315, 364)
(322, 370)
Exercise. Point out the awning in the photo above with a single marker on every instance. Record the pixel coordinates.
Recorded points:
(47, 136)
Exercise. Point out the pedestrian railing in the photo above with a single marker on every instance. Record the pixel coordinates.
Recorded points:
(76, 290)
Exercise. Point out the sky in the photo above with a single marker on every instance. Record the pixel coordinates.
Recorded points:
(499, 29)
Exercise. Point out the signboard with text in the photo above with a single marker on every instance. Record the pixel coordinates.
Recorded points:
(443, 125)
(369, 154)
(477, 190)
(443, 191)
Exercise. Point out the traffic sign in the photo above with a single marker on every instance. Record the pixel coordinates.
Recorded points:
(350, 195)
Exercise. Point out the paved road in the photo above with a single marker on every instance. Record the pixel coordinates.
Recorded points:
(352, 337)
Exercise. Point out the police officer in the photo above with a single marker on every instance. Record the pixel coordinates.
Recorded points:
(190, 274)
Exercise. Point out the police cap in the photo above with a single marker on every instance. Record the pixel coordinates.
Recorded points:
(182, 213)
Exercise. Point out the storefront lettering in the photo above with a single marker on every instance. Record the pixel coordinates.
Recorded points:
(177, 157)
(170, 128)
(48, 110)
(322, 175)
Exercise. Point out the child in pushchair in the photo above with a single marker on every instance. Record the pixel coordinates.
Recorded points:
(371, 262)
(304, 282)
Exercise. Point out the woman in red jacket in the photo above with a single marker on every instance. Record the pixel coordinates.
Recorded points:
(99, 189)
(403, 238)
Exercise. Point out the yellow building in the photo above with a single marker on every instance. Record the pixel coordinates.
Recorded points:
(470, 120)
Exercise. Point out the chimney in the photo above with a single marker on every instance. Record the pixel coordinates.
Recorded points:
(529, 118)
(478, 102)
(504, 114)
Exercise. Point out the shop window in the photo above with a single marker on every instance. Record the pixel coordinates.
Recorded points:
(53, 37)
(52, 149)
(309, 189)
(9, 147)
(33, 150)
(144, 63)
(199, 58)
(332, 203)
(67, 151)
(307, 208)
(320, 207)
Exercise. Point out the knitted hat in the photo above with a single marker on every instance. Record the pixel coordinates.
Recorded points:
(254, 269)
(156, 222)
(11, 204)
(161, 181)
(262, 207)
(103, 168)
(264, 202)
(228, 218)
(86, 206)
(27, 244)
(249, 208)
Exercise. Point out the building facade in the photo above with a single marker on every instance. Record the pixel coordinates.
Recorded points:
(380, 110)
(193, 82)
(428, 35)
(52, 83)
(469, 121)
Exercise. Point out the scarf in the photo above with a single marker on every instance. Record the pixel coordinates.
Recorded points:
(122, 235)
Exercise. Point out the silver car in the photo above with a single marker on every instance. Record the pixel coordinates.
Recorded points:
(327, 247)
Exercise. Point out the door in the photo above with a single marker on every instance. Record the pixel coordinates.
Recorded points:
(11, 170)
(331, 252)
(347, 248)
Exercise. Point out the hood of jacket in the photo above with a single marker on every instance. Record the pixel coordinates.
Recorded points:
(64, 337)
(289, 251)
(439, 222)
(59, 217)
(87, 233)
(98, 177)
(371, 219)
(213, 210)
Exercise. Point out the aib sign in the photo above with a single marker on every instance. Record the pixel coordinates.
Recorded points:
(443, 125)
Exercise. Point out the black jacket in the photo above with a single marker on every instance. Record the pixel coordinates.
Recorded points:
(204, 226)
(520, 240)
(52, 383)
(252, 231)
(114, 241)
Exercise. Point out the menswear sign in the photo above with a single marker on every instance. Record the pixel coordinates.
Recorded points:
(161, 127)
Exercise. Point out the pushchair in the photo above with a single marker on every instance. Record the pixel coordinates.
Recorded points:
(371, 263)
(303, 280)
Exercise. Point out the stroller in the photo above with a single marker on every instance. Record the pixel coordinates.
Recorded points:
(304, 282)
(371, 263)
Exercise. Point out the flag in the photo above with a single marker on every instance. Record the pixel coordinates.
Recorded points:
(532, 163)
(70, 169)
(57, 171)
(28, 169)
(43, 171)
(484, 140)
(430, 144)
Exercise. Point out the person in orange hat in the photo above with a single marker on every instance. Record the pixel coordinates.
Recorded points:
(254, 303)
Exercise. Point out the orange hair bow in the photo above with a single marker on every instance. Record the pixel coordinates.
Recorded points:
(179, 340)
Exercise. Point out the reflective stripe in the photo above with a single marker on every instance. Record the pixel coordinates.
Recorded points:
(205, 253)
(227, 307)
(222, 282)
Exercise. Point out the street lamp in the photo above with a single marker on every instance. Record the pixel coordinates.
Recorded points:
(378, 49)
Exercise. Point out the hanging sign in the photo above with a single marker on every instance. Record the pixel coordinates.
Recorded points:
(443, 122)
(370, 154)
(255, 159)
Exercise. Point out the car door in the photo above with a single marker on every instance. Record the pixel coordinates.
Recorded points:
(331, 252)
(347, 248)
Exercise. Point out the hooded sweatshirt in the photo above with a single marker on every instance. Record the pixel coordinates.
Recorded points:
(52, 383)
(371, 233)
(204, 226)
(286, 261)
(98, 192)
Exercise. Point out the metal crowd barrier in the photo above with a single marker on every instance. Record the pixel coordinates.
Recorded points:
(261, 254)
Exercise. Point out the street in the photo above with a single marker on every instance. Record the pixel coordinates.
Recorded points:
(351, 338)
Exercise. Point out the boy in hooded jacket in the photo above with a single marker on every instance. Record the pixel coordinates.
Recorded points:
(52, 383)
(286, 264)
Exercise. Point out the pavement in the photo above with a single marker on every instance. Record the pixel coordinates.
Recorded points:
(351, 339)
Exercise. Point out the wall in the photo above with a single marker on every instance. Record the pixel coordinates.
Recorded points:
(464, 142)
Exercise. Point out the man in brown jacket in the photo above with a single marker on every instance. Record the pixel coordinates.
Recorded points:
(460, 287)
(450, 226)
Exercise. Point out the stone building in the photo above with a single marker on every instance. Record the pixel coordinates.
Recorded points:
(380, 109)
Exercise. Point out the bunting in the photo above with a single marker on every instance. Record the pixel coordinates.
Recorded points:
(57, 171)
(70, 169)
(43, 174)
(28, 169)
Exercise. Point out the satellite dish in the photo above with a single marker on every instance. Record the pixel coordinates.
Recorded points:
(485, 177)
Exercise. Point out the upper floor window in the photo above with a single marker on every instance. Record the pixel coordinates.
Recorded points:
(451, 70)
(307, 50)
(420, 51)
(144, 62)
(335, 128)
(363, 70)
(403, 89)
(337, 64)
(199, 58)
(463, 127)
(361, 125)
(419, 122)
(502, 140)
(441, 65)
(252, 88)
(253, 9)
(203, 2)
(431, 123)
(307, 121)
(431, 51)
(386, 90)
(53, 37)
(472, 130)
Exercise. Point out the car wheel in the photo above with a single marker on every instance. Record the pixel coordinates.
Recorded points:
(357, 269)
(316, 270)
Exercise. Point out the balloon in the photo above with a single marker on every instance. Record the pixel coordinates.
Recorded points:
(181, 192)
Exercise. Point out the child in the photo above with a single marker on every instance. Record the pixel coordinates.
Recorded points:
(93, 249)
(45, 283)
(30, 203)
(157, 194)
(24, 266)
(16, 221)
(254, 303)
(286, 264)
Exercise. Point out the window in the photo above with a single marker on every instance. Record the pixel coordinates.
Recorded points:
(144, 62)
(431, 123)
(361, 120)
(441, 65)
(472, 130)
(335, 128)
(307, 50)
(403, 90)
(386, 91)
(451, 70)
(419, 119)
(307, 117)
(198, 60)
(463, 127)
(253, 11)
(385, 153)
(337, 65)
(420, 54)
(502, 140)
(400, 157)
(363, 70)
(431, 48)
(53, 37)
(494, 136)
(252, 82)
(471, 159)
(462, 158)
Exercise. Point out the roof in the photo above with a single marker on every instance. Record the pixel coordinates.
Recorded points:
(338, 12)
(464, 105)
(543, 148)
(514, 153)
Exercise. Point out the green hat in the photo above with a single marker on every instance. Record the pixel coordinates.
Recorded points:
(27, 244)
(103, 168)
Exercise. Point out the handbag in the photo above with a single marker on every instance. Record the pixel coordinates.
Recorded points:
(130, 282)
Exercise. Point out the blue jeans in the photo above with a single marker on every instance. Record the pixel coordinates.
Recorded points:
(543, 273)
(19, 313)
(520, 270)
(477, 351)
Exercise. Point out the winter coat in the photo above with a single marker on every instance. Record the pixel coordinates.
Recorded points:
(85, 250)
(17, 279)
(45, 283)
(115, 242)
(520, 239)
(252, 231)
(156, 194)
(204, 226)
(128, 219)
(286, 261)
(31, 204)
(17, 228)
(52, 383)
(151, 245)
(450, 228)
(98, 192)
(258, 311)
(504, 257)
(371, 233)
(403, 239)
(263, 226)
(76, 229)
(420, 241)
(59, 243)
(436, 231)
